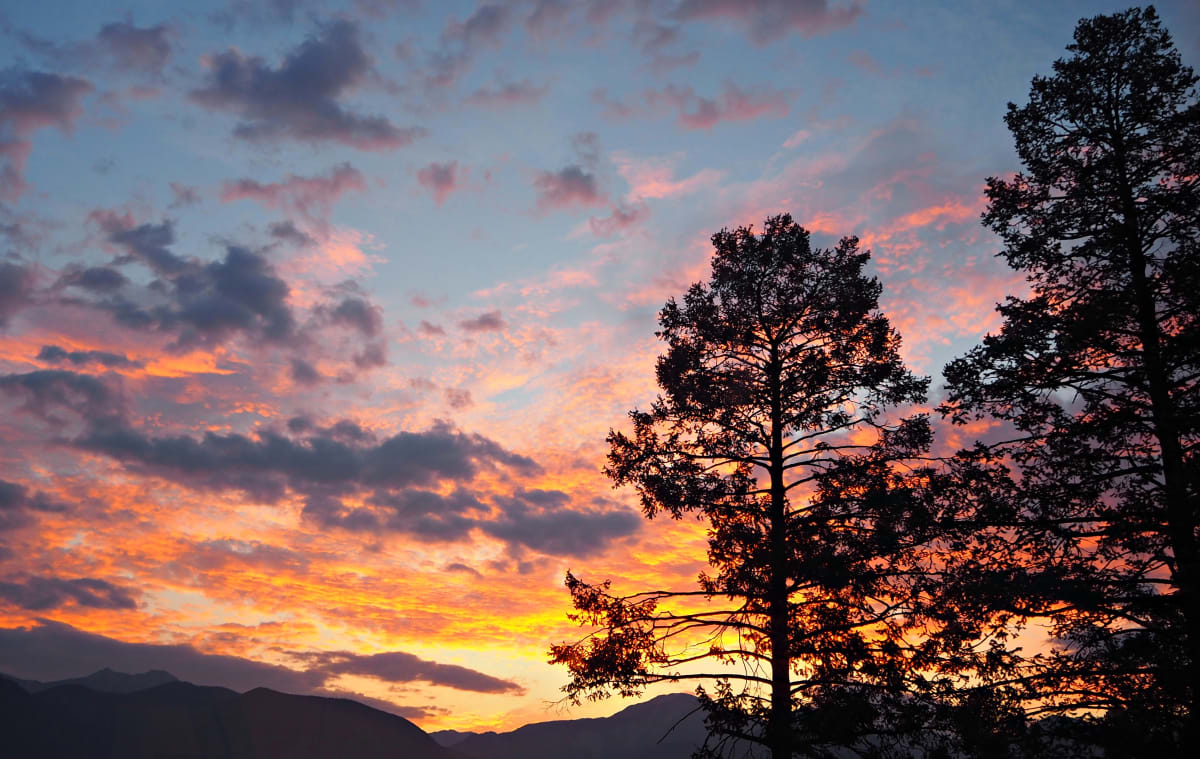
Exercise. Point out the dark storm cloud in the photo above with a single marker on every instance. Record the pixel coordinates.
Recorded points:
(490, 321)
(56, 651)
(54, 354)
(133, 47)
(42, 593)
(300, 99)
(19, 505)
(767, 20)
(32, 100)
(16, 289)
(43, 393)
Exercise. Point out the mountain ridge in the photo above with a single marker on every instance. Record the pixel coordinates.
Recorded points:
(111, 714)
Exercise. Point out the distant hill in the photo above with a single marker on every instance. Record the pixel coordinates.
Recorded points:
(641, 731)
(106, 681)
(185, 721)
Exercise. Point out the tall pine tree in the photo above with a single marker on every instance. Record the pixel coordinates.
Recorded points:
(776, 425)
(1095, 373)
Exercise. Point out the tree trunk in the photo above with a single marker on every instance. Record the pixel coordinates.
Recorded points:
(779, 726)
(1181, 525)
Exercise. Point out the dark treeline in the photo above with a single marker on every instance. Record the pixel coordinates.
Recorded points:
(1035, 594)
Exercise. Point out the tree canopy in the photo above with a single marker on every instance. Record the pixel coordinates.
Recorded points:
(775, 425)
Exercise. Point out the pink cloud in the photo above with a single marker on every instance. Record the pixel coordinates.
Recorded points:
(654, 177)
(439, 178)
(768, 20)
(623, 217)
(311, 198)
(797, 139)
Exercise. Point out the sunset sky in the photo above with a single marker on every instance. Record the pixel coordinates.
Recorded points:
(314, 316)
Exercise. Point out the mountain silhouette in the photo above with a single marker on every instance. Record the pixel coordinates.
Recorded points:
(114, 715)
(106, 681)
(185, 721)
(666, 727)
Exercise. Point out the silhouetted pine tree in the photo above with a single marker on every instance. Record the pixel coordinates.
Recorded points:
(1095, 374)
(772, 427)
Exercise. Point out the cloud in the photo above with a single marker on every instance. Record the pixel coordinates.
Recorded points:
(300, 99)
(96, 279)
(29, 101)
(567, 187)
(623, 217)
(373, 355)
(509, 94)
(426, 329)
(655, 177)
(457, 398)
(400, 667)
(288, 232)
(133, 47)
(359, 314)
(53, 650)
(490, 321)
(412, 483)
(200, 303)
(148, 243)
(183, 195)
(45, 392)
(733, 104)
(311, 198)
(321, 465)
(538, 519)
(304, 373)
(53, 354)
(19, 504)
(461, 41)
(43, 593)
(16, 289)
(768, 20)
(439, 178)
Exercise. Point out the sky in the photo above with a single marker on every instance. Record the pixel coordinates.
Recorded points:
(314, 316)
